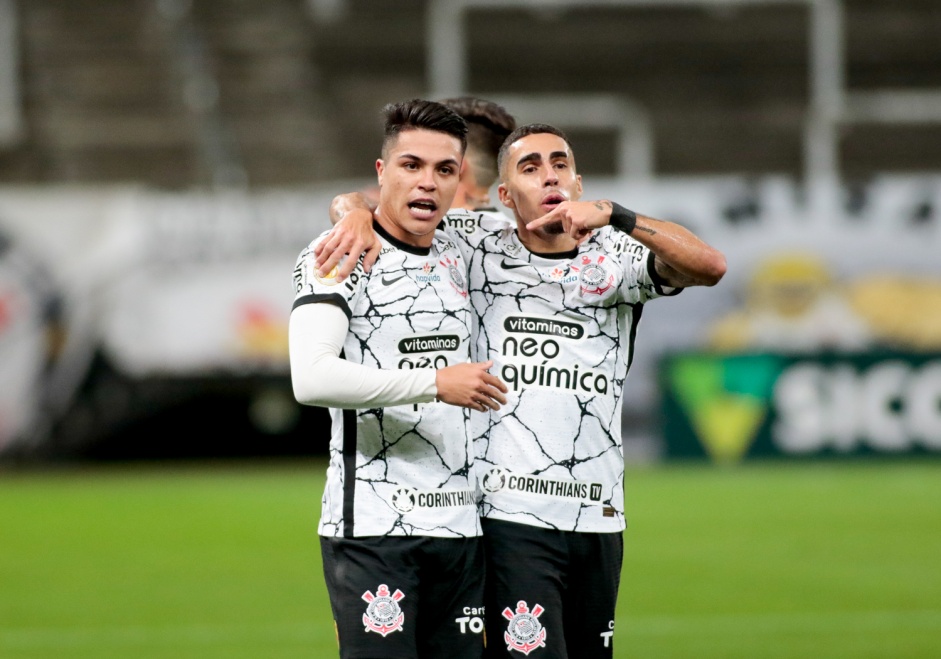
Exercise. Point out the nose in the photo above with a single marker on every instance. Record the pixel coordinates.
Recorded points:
(427, 181)
(551, 177)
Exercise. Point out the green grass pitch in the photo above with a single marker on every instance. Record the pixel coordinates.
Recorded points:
(834, 559)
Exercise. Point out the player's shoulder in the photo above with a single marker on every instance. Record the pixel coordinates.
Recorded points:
(616, 243)
(306, 254)
(309, 248)
(467, 222)
(444, 241)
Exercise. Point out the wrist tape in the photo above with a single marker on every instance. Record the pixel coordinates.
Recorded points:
(622, 219)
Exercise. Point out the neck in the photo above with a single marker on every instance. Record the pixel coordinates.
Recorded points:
(544, 243)
(396, 231)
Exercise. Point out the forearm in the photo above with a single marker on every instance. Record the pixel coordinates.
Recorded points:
(343, 204)
(682, 258)
(320, 377)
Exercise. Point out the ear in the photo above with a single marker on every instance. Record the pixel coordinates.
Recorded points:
(380, 166)
(505, 198)
(578, 188)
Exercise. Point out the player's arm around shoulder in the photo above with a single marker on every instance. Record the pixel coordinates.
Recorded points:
(352, 236)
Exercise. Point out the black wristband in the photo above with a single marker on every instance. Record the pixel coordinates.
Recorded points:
(622, 219)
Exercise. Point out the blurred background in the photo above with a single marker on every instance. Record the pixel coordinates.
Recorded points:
(162, 162)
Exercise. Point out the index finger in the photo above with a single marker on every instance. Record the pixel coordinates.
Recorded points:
(551, 216)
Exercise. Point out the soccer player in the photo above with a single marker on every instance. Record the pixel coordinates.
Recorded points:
(399, 526)
(557, 299)
(488, 125)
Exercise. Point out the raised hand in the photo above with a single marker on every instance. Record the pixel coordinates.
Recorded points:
(578, 218)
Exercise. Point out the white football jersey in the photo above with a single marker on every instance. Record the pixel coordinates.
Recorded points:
(407, 469)
(560, 329)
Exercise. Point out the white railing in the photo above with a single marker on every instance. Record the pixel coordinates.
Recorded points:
(216, 145)
(634, 153)
(831, 104)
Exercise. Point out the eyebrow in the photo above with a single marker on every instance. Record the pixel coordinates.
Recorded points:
(536, 157)
(411, 156)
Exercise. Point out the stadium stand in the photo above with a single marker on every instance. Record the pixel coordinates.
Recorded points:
(297, 91)
(175, 140)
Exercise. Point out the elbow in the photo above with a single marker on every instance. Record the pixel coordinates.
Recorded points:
(715, 269)
(306, 394)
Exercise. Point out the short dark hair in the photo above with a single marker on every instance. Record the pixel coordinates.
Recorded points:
(488, 125)
(419, 113)
(523, 131)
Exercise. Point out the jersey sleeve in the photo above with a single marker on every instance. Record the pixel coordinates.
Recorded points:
(310, 287)
(469, 228)
(319, 376)
(641, 282)
(661, 287)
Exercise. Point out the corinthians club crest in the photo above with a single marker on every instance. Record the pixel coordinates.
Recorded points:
(383, 615)
(494, 480)
(457, 278)
(595, 278)
(524, 633)
(403, 499)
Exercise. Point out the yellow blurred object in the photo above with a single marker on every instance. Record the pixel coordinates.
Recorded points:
(790, 284)
(903, 311)
(793, 303)
(263, 334)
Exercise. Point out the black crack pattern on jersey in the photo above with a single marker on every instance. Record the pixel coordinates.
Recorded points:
(560, 332)
(405, 452)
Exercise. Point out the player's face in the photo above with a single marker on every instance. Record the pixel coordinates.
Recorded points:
(417, 181)
(538, 175)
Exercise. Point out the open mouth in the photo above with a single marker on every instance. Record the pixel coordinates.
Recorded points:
(550, 201)
(423, 208)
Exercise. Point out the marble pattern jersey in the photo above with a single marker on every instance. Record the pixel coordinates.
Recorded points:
(405, 469)
(560, 329)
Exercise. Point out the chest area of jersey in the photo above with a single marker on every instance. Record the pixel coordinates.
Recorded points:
(411, 311)
(414, 287)
(590, 278)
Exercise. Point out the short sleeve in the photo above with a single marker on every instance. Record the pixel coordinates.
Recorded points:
(641, 282)
(311, 287)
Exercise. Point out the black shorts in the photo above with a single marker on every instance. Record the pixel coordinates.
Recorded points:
(550, 594)
(398, 597)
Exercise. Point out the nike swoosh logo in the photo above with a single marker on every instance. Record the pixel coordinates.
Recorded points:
(388, 281)
(511, 266)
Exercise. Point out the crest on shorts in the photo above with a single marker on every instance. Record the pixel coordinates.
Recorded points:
(383, 613)
(595, 278)
(524, 633)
